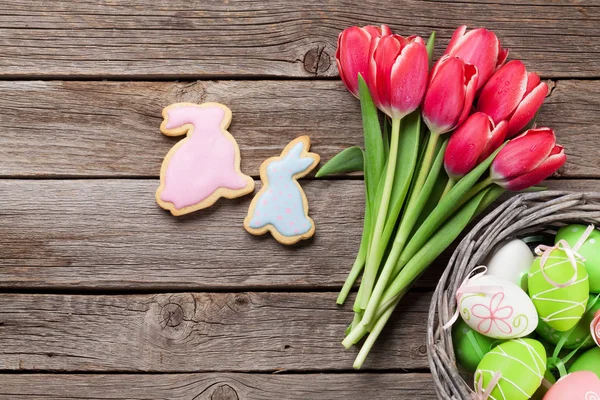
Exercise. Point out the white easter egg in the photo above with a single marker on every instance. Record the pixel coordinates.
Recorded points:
(511, 261)
(497, 308)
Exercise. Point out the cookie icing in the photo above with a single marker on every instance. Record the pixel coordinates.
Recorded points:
(281, 206)
(205, 165)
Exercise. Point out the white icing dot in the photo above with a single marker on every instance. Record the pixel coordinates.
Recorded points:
(592, 241)
(574, 229)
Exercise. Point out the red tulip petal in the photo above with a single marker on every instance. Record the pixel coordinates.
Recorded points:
(502, 94)
(523, 154)
(527, 109)
(496, 138)
(480, 48)
(352, 56)
(502, 55)
(543, 171)
(385, 55)
(457, 36)
(466, 144)
(385, 30)
(533, 80)
(445, 97)
(471, 82)
(408, 79)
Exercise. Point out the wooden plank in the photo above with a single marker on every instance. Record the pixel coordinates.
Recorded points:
(226, 386)
(110, 234)
(237, 38)
(63, 128)
(198, 332)
(217, 386)
(222, 386)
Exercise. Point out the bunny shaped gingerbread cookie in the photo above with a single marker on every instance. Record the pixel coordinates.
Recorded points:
(281, 207)
(205, 165)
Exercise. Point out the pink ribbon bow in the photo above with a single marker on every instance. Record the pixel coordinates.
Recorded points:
(595, 328)
(571, 252)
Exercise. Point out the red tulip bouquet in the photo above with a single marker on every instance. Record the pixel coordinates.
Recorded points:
(452, 139)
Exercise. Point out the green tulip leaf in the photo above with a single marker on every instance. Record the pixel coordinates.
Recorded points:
(430, 46)
(374, 151)
(450, 203)
(347, 160)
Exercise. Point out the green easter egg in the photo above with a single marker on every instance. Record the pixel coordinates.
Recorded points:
(470, 346)
(590, 251)
(580, 333)
(560, 307)
(588, 361)
(522, 363)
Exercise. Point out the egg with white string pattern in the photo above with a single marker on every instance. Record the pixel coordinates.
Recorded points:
(560, 291)
(496, 308)
(518, 366)
(589, 250)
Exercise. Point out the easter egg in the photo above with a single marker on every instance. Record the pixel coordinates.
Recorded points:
(560, 307)
(580, 333)
(470, 346)
(582, 385)
(511, 262)
(590, 250)
(497, 308)
(588, 361)
(521, 363)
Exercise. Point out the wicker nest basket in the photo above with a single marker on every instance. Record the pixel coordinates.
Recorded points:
(522, 215)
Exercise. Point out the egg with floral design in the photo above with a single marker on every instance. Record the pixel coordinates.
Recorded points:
(582, 385)
(496, 308)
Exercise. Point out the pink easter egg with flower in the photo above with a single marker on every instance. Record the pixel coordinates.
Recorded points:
(581, 385)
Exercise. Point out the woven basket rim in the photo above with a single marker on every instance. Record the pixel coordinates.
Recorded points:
(522, 214)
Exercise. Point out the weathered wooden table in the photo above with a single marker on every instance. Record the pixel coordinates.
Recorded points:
(105, 295)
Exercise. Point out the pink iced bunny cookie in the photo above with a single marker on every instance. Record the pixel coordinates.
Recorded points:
(280, 207)
(205, 165)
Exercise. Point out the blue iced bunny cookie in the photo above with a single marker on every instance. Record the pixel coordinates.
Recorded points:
(280, 207)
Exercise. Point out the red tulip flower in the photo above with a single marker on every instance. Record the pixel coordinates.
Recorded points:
(450, 94)
(528, 159)
(480, 48)
(398, 74)
(514, 95)
(471, 143)
(355, 48)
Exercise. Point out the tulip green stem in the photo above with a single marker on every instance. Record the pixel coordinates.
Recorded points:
(477, 188)
(449, 186)
(373, 335)
(371, 267)
(357, 268)
(407, 223)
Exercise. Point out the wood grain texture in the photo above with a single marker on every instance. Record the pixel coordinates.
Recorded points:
(238, 38)
(217, 386)
(64, 128)
(110, 234)
(198, 332)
